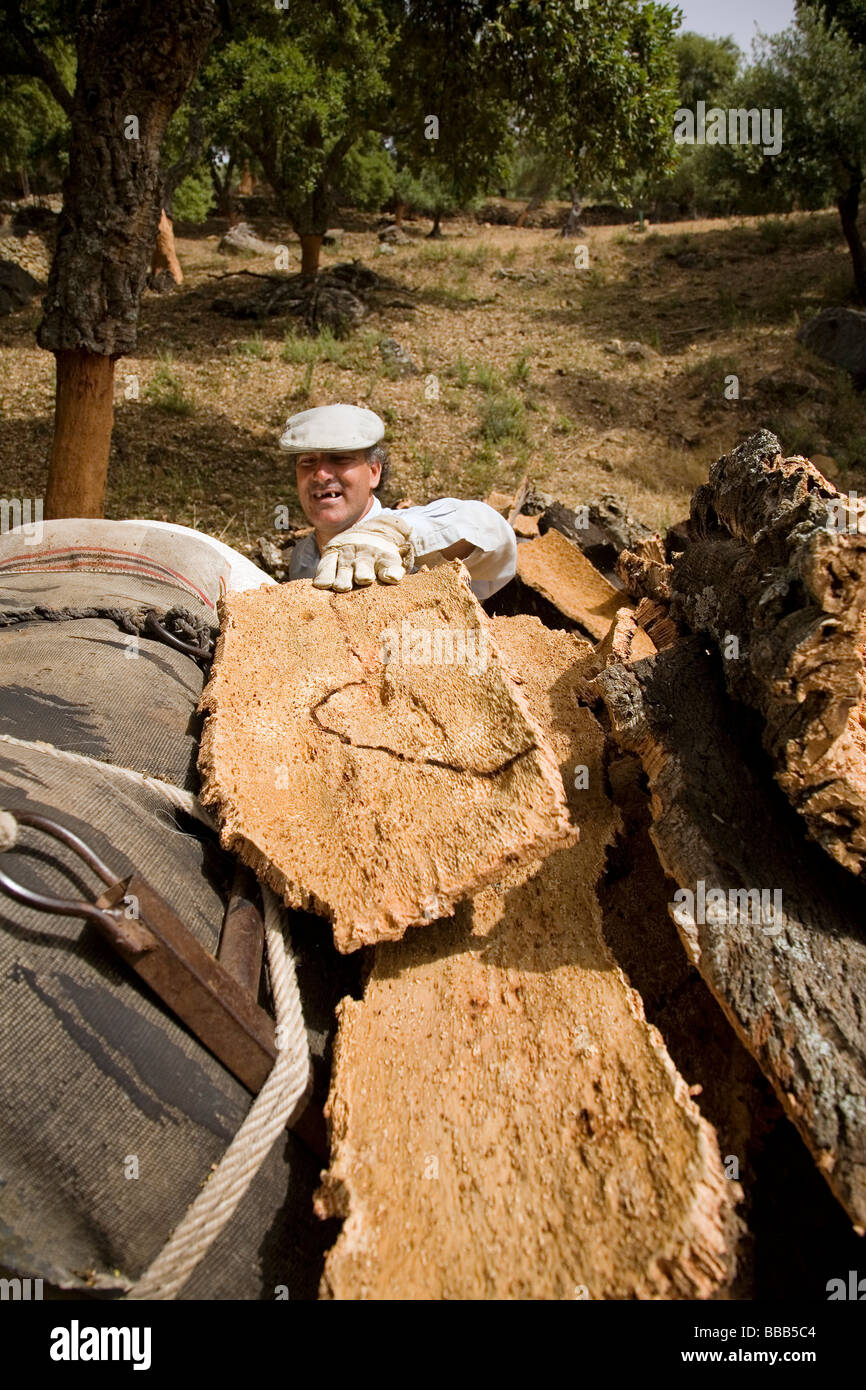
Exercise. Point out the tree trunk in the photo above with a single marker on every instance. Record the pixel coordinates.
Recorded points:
(791, 987)
(849, 206)
(572, 225)
(222, 188)
(775, 577)
(435, 231)
(164, 257)
(534, 202)
(246, 184)
(135, 60)
(311, 246)
(83, 416)
(399, 214)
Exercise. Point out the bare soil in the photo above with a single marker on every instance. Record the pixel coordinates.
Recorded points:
(525, 364)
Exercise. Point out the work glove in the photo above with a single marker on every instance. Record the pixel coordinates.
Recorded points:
(380, 548)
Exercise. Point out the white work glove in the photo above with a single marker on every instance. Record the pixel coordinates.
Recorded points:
(380, 548)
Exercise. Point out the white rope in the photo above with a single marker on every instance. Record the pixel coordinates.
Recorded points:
(183, 800)
(219, 1199)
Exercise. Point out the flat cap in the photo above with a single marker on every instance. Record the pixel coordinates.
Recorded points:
(336, 429)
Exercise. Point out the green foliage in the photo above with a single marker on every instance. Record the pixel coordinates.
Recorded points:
(706, 68)
(486, 378)
(324, 348)
(520, 371)
(167, 391)
(193, 197)
(34, 132)
(367, 176)
(296, 90)
(461, 371)
(502, 418)
(253, 347)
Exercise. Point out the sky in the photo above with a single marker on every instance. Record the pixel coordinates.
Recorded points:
(742, 18)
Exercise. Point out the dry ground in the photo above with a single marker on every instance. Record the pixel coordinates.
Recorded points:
(518, 341)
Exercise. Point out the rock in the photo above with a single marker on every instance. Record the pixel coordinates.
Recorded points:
(394, 235)
(369, 754)
(790, 387)
(242, 240)
(839, 336)
(397, 358)
(640, 352)
(273, 557)
(17, 287)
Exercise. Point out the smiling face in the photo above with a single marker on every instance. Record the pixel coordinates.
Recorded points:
(335, 490)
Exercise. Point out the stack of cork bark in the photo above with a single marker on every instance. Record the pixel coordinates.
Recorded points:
(507, 813)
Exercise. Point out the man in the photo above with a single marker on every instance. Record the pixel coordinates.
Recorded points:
(339, 463)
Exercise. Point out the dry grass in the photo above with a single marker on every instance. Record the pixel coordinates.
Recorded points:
(516, 339)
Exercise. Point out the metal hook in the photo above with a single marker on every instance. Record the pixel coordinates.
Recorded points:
(66, 907)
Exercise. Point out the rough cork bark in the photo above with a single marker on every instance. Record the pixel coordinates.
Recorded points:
(557, 569)
(134, 63)
(504, 1122)
(769, 567)
(792, 988)
(375, 791)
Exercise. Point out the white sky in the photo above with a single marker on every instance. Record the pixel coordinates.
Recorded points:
(742, 18)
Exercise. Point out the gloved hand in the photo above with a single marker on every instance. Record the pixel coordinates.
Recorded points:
(380, 548)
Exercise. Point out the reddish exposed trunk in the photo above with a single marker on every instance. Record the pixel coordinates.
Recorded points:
(534, 202)
(164, 255)
(247, 184)
(83, 417)
(399, 214)
(311, 246)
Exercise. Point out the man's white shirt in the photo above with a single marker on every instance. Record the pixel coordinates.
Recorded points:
(491, 563)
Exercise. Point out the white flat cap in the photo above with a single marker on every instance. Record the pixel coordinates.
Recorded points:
(337, 429)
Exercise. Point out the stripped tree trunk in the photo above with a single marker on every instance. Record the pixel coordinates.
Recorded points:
(82, 434)
(311, 247)
(164, 257)
(534, 202)
(135, 60)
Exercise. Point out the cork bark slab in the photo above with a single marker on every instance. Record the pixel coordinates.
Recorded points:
(375, 791)
(504, 1122)
(780, 586)
(554, 567)
(794, 990)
